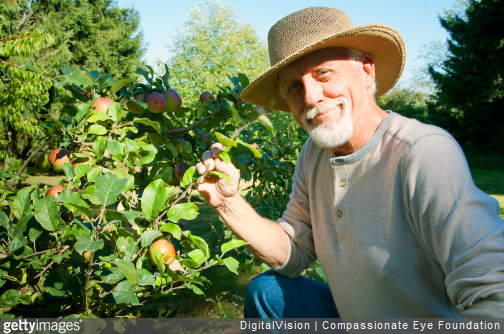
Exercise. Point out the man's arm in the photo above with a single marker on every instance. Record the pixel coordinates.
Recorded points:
(267, 239)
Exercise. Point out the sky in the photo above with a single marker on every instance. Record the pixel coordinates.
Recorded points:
(416, 20)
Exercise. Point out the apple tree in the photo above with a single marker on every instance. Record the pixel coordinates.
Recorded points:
(108, 241)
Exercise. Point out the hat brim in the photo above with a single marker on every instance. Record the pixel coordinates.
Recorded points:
(383, 43)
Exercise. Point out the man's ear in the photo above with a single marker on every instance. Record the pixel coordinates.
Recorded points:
(368, 67)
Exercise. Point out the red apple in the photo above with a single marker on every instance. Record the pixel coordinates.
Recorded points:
(173, 100)
(205, 138)
(180, 169)
(156, 102)
(101, 104)
(58, 157)
(79, 161)
(177, 142)
(164, 247)
(206, 97)
(42, 161)
(54, 191)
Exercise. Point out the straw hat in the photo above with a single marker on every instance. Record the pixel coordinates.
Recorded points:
(317, 28)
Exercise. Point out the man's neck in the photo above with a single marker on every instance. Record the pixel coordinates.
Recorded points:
(364, 128)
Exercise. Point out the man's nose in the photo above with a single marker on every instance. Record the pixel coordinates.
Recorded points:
(313, 92)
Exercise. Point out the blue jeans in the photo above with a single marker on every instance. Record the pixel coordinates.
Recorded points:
(271, 295)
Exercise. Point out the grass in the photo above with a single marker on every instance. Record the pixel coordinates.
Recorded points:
(224, 299)
(491, 181)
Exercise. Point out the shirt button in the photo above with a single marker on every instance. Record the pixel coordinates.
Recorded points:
(339, 213)
(342, 183)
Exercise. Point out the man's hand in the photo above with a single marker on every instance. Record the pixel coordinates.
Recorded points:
(216, 191)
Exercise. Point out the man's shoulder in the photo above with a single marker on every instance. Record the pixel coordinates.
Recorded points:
(411, 130)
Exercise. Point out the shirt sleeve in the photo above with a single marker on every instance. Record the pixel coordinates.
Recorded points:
(296, 223)
(458, 223)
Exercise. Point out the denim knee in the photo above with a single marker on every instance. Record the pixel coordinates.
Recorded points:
(264, 296)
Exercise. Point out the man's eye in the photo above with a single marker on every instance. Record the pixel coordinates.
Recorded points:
(295, 88)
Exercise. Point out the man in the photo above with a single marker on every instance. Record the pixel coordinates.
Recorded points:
(386, 203)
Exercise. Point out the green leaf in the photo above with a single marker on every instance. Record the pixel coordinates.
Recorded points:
(224, 156)
(47, 213)
(233, 244)
(84, 244)
(108, 188)
(221, 175)
(188, 176)
(9, 298)
(198, 241)
(93, 75)
(99, 145)
(232, 264)
(148, 237)
(128, 269)
(145, 278)
(82, 169)
(21, 203)
(244, 80)
(256, 152)
(105, 81)
(114, 111)
(148, 122)
(78, 79)
(93, 173)
(127, 246)
(265, 121)
(146, 154)
(114, 147)
(98, 117)
(96, 129)
(121, 297)
(179, 211)
(173, 229)
(198, 256)
(74, 199)
(30, 68)
(226, 141)
(120, 84)
(82, 110)
(155, 197)
(4, 221)
(17, 243)
(69, 170)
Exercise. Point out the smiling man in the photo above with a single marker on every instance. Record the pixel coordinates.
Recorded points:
(385, 203)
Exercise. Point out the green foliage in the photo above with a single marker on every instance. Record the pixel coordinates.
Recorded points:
(85, 252)
(23, 89)
(214, 44)
(405, 101)
(470, 87)
(92, 34)
(35, 36)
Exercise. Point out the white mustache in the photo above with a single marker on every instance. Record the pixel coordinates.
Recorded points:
(313, 112)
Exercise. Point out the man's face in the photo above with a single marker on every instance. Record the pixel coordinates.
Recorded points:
(322, 90)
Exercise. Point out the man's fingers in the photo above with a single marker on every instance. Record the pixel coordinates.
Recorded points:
(200, 168)
(216, 149)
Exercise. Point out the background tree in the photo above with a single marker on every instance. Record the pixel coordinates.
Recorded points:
(95, 34)
(214, 44)
(35, 36)
(22, 88)
(470, 87)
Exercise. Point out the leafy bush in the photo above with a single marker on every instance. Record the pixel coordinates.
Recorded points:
(84, 252)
